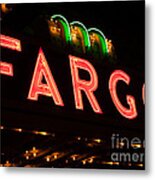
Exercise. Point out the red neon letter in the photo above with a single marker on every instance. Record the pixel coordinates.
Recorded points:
(37, 87)
(11, 43)
(81, 85)
(6, 68)
(116, 76)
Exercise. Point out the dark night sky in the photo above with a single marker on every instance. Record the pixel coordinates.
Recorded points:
(123, 22)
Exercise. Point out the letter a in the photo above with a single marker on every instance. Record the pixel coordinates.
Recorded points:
(38, 87)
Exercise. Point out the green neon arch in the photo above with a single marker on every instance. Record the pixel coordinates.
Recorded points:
(84, 33)
(65, 25)
(102, 39)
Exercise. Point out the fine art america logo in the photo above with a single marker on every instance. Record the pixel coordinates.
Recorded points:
(127, 150)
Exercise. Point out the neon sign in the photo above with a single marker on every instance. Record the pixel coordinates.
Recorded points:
(10, 43)
(64, 24)
(102, 39)
(49, 87)
(85, 34)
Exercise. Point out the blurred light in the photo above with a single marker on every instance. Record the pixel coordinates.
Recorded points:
(110, 45)
(52, 156)
(110, 163)
(78, 138)
(7, 164)
(4, 8)
(48, 158)
(92, 38)
(34, 151)
(18, 130)
(140, 165)
(98, 140)
(43, 133)
(90, 145)
(27, 154)
(53, 135)
(27, 157)
(89, 160)
(74, 37)
(121, 144)
(55, 156)
(129, 164)
(54, 28)
(34, 154)
(1, 127)
(83, 162)
(74, 27)
(74, 157)
(136, 145)
(116, 163)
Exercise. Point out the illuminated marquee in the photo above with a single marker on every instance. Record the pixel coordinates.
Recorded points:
(50, 88)
(59, 26)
